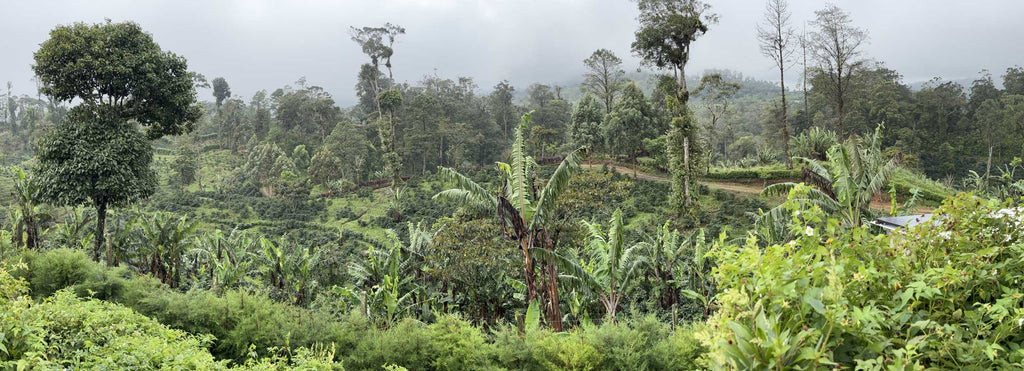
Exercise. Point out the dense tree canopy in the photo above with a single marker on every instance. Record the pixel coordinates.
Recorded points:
(135, 80)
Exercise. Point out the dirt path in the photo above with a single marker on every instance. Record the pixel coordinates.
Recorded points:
(629, 171)
(880, 203)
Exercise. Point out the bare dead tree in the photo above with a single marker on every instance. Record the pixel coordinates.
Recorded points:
(775, 36)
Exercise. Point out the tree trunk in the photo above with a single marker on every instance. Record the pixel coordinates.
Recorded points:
(988, 166)
(634, 166)
(785, 122)
(686, 163)
(528, 272)
(839, 98)
(555, 316)
(101, 219)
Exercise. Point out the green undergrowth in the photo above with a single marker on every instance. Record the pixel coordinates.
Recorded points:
(931, 191)
(112, 318)
(771, 172)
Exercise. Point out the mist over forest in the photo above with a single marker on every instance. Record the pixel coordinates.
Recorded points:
(781, 196)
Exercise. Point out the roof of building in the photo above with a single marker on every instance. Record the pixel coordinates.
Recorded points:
(896, 222)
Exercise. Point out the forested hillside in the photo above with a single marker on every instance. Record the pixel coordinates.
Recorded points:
(656, 219)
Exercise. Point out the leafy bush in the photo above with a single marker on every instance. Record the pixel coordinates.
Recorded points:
(53, 270)
(457, 345)
(943, 295)
(774, 172)
(905, 180)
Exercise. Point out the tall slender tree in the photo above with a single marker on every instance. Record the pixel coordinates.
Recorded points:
(836, 46)
(716, 92)
(775, 35)
(605, 76)
(667, 28)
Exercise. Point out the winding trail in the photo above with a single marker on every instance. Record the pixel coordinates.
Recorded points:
(882, 202)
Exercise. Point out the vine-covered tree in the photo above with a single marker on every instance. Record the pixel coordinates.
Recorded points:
(667, 28)
(123, 80)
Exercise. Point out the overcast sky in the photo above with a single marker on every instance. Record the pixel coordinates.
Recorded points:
(258, 44)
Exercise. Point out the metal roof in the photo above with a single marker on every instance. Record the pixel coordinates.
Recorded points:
(896, 222)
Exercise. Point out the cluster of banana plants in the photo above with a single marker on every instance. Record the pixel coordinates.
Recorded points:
(609, 271)
(388, 282)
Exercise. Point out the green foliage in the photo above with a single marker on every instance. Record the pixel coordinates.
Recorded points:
(845, 185)
(53, 270)
(770, 172)
(629, 123)
(119, 67)
(682, 146)
(586, 123)
(99, 159)
(941, 295)
(186, 164)
(905, 181)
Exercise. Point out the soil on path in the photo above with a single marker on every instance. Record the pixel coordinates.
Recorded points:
(750, 188)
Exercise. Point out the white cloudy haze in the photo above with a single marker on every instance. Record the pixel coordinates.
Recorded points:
(259, 44)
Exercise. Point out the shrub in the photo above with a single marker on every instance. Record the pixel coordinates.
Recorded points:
(56, 269)
(681, 350)
(943, 295)
(456, 345)
(774, 172)
(406, 344)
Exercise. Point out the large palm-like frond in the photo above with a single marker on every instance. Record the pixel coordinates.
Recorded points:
(466, 191)
(517, 171)
(814, 196)
(570, 272)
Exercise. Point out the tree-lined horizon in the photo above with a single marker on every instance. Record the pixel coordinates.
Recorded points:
(652, 220)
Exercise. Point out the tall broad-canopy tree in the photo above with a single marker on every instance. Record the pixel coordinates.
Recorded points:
(775, 35)
(221, 90)
(499, 103)
(629, 124)
(1013, 81)
(586, 123)
(378, 44)
(135, 80)
(667, 28)
(525, 212)
(124, 82)
(836, 46)
(604, 77)
(95, 158)
(716, 92)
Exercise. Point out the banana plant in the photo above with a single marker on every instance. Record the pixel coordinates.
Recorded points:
(525, 212)
(164, 240)
(226, 257)
(845, 185)
(125, 240)
(77, 221)
(29, 213)
(610, 267)
(387, 279)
